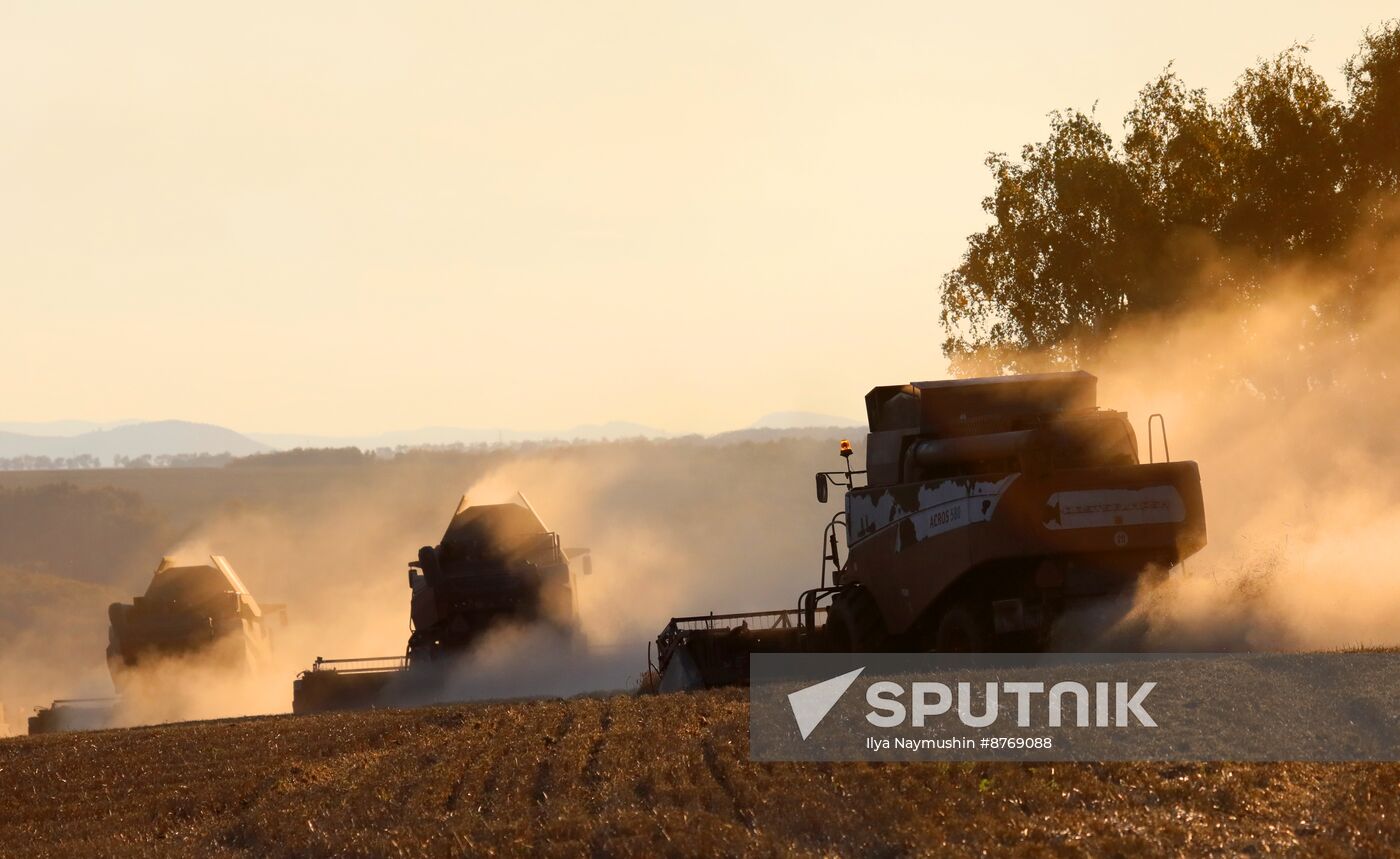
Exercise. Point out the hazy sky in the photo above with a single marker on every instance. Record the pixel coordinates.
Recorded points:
(346, 217)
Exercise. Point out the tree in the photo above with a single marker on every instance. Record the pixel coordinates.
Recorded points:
(1285, 182)
(1086, 234)
(1372, 125)
(1068, 233)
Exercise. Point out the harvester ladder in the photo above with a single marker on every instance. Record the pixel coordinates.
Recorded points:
(1166, 451)
(1161, 421)
(831, 553)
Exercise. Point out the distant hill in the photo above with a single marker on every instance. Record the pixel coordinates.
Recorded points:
(829, 433)
(62, 428)
(801, 420)
(69, 438)
(460, 435)
(130, 440)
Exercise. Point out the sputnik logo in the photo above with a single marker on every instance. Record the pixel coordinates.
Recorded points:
(810, 705)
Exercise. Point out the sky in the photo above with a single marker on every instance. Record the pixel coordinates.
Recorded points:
(341, 217)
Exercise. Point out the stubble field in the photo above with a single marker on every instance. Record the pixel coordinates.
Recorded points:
(629, 775)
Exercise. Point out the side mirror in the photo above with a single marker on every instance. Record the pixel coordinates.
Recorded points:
(277, 608)
(583, 556)
(821, 488)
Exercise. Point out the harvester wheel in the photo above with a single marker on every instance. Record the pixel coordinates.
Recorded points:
(961, 630)
(857, 625)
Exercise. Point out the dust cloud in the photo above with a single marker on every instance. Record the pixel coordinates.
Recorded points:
(1289, 406)
(673, 530)
(674, 527)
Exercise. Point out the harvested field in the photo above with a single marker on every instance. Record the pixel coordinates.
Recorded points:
(635, 776)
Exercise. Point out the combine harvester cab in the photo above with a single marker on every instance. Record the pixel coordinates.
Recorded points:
(203, 609)
(989, 507)
(496, 565)
(200, 612)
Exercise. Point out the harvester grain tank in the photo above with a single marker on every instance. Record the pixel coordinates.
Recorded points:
(496, 565)
(202, 609)
(986, 509)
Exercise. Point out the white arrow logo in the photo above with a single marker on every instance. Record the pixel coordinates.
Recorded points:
(810, 705)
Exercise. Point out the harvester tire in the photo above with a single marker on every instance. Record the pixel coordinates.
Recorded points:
(858, 625)
(962, 630)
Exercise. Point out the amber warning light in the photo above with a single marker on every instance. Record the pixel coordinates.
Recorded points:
(845, 447)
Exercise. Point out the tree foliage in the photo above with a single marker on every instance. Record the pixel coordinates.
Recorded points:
(95, 534)
(1087, 233)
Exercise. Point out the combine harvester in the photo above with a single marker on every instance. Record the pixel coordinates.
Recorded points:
(988, 507)
(201, 613)
(497, 565)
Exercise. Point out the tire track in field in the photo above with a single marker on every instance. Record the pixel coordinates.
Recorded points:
(545, 768)
(523, 733)
(623, 788)
(592, 777)
(732, 775)
(474, 742)
(721, 780)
